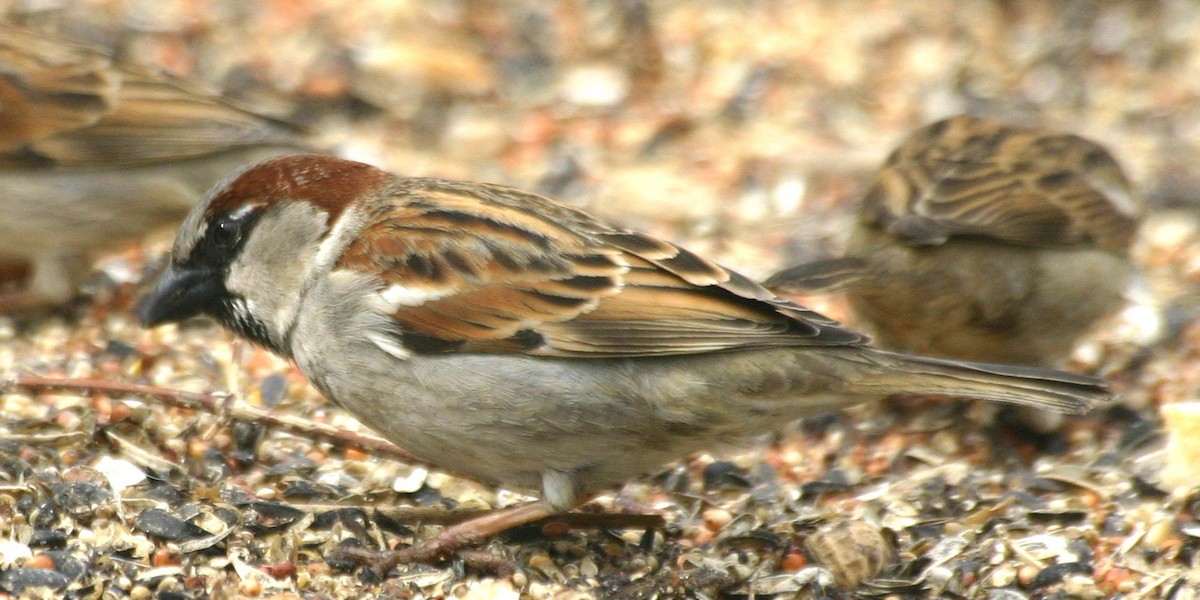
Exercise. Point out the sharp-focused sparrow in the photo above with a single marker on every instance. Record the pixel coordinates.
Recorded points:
(94, 152)
(515, 340)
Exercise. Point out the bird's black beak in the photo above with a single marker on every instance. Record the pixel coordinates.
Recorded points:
(181, 292)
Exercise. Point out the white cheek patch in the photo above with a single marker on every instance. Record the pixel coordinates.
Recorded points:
(347, 227)
(276, 264)
(397, 295)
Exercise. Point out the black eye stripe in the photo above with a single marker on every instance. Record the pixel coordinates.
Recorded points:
(223, 239)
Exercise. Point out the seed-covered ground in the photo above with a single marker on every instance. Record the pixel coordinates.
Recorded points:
(744, 131)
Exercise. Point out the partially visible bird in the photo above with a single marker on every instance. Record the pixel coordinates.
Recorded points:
(94, 152)
(983, 241)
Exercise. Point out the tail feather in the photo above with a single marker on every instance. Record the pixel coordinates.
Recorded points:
(820, 276)
(1049, 389)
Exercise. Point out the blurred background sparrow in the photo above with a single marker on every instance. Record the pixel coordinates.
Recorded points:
(983, 241)
(94, 152)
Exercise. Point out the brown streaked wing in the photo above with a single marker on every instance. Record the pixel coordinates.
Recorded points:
(48, 87)
(805, 327)
(494, 269)
(67, 104)
(967, 176)
(157, 118)
(482, 270)
(658, 313)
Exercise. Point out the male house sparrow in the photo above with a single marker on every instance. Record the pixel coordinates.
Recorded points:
(94, 152)
(509, 338)
(983, 241)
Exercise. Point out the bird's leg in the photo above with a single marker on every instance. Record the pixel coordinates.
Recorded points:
(455, 537)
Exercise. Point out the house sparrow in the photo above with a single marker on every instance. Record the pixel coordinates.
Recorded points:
(94, 152)
(512, 339)
(983, 241)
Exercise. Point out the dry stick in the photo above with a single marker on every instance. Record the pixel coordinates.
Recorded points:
(216, 404)
(219, 404)
(450, 516)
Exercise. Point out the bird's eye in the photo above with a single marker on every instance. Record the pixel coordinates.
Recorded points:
(223, 236)
(227, 231)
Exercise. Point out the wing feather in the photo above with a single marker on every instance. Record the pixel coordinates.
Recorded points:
(967, 176)
(65, 104)
(469, 268)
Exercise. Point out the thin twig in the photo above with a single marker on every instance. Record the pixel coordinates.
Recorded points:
(213, 403)
(444, 516)
(607, 520)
